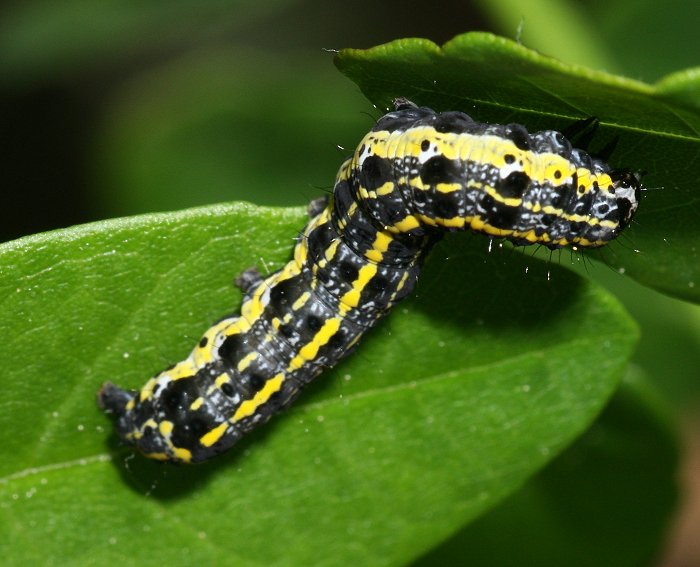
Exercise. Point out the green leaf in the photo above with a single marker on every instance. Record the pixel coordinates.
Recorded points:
(446, 408)
(497, 80)
(663, 38)
(605, 501)
(579, 40)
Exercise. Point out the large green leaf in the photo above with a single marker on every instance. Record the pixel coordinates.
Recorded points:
(495, 79)
(605, 501)
(447, 407)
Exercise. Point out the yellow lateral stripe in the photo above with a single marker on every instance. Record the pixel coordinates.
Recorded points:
(587, 219)
(509, 201)
(385, 189)
(454, 222)
(249, 407)
(449, 187)
(211, 437)
(157, 456)
(221, 379)
(301, 301)
(331, 250)
(380, 245)
(382, 241)
(406, 224)
(352, 298)
(184, 455)
(428, 220)
(399, 286)
(243, 363)
(309, 351)
(374, 255)
(324, 334)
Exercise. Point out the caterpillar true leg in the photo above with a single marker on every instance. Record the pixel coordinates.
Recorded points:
(248, 279)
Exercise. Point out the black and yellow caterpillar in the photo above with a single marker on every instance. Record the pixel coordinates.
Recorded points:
(416, 174)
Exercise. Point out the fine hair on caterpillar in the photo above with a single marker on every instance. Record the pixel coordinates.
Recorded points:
(415, 176)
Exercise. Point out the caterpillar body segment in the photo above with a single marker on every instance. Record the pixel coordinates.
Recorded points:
(414, 176)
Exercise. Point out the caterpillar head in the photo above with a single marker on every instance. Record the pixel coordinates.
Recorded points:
(627, 189)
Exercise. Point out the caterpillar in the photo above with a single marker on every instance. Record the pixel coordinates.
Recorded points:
(415, 175)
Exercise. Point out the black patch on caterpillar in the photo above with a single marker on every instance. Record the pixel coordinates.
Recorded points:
(178, 396)
(514, 185)
(257, 382)
(229, 349)
(445, 207)
(440, 169)
(375, 172)
(314, 323)
(518, 135)
(453, 122)
(503, 216)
